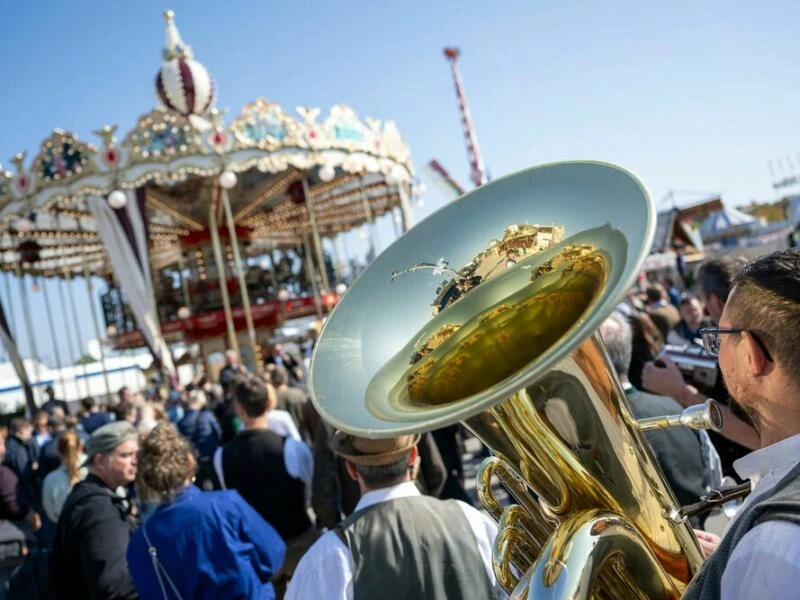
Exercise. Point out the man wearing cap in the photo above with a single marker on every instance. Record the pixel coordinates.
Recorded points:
(88, 559)
(397, 543)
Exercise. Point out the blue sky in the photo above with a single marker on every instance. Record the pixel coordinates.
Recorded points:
(689, 96)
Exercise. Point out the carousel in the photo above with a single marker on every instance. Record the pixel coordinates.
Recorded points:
(208, 231)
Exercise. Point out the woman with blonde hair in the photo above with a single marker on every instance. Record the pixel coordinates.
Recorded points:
(58, 484)
(232, 551)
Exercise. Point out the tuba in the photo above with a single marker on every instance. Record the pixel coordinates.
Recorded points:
(486, 313)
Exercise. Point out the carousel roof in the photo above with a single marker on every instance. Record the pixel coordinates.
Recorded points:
(345, 169)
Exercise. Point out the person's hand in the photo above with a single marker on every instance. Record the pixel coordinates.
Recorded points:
(708, 541)
(34, 519)
(666, 380)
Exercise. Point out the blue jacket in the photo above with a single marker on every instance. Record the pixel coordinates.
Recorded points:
(211, 544)
(202, 429)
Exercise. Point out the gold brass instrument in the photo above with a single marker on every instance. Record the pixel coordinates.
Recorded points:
(507, 345)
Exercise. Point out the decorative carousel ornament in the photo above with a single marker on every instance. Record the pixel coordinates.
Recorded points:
(184, 312)
(117, 199)
(327, 173)
(228, 180)
(341, 288)
(183, 84)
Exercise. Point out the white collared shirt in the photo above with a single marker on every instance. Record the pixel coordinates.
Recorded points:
(766, 561)
(326, 570)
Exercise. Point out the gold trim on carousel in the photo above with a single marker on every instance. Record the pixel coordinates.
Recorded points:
(154, 202)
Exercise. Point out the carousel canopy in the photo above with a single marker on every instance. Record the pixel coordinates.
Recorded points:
(292, 167)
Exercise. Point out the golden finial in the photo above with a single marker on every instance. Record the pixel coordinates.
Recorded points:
(169, 15)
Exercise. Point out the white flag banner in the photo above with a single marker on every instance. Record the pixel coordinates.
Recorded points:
(125, 237)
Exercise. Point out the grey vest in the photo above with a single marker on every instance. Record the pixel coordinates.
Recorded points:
(418, 547)
(782, 504)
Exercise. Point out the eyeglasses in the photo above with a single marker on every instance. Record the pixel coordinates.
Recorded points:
(712, 340)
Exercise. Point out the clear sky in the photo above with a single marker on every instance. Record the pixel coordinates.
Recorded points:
(689, 96)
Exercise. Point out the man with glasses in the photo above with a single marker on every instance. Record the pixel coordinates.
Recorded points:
(758, 344)
(737, 436)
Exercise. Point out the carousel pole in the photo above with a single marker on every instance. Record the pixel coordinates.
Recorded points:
(70, 337)
(315, 234)
(368, 213)
(52, 326)
(23, 292)
(184, 285)
(78, 332)
(96, 324)
(12, 321)
(223, 282)
(312, 275)
(273, 275)
(237, 261)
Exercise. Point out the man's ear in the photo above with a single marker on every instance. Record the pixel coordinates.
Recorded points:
(757, 362)
(412, 456)
(351, 470)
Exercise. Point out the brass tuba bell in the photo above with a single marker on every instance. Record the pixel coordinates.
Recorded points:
(486, 313)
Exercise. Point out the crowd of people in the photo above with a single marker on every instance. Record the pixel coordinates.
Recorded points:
(236, 488)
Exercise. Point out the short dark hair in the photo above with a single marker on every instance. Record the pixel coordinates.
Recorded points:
(383, 475)
(279, 376)
(18, 425)
(251, 394)
(88, 403)
(655, 292)
(768, 302)
(714, 276)
(123, 411)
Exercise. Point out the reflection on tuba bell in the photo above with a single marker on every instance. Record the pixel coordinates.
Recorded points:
(506, 345)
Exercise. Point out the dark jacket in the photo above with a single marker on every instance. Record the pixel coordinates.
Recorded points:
(21, 458)
(88, 558)
(12, 506)
(95, 421)
(50, 405)
(202, 429)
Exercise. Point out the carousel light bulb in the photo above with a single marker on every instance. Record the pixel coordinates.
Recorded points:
(264, 264)
(283, 295)
(23, 224)
(111, 330)
(420, 203)
(184, 312)
(362, 233)
(341, 288)
(391, 178)
(117, 199)
(398, 218)
(228, 179)
(327, 173)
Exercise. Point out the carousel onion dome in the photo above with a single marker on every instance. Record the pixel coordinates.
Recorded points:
(183, 85)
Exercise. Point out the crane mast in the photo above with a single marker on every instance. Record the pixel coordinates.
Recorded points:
(477, 171)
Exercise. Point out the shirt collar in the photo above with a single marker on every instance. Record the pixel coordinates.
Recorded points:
(761, 462)
(406, 489)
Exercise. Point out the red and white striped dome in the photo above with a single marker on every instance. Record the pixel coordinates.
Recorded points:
(183, 84)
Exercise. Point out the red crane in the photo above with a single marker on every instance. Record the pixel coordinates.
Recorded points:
(477, 171)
